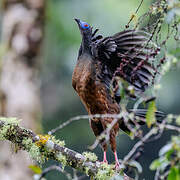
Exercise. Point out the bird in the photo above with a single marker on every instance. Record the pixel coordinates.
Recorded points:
(100, 60)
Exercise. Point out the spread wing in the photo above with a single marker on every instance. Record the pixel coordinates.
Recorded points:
(128, 54)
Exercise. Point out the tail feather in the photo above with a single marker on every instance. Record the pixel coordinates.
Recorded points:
(142, 114)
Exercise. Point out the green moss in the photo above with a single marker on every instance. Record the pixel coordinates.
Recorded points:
(89, 156)
(40, 151)
(36, 154)
(7, 127)
(87, 171)
(4, 131)
(62, 159)
(27, 142)
(57, 141)
(33, 150)
(11, 120)
(105, 172)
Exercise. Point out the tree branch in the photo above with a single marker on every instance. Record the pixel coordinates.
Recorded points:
(46, 147)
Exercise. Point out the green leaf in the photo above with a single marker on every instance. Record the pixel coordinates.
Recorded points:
(174, 173)
(160, 163)
(169, 153)
(35, 169)
(155, 164)
(150, 115)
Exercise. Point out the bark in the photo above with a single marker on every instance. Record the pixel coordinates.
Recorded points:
(22, 33)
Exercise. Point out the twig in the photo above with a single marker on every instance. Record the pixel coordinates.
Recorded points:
(157, 174)
(139, 6)
(57, 168)
(171, 127)
(117, 117)
(132, 17)
(137, 145)
(138, 102)
(153, 131)
(77, 118)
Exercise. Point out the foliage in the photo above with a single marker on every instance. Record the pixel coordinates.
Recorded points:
(35, 169)
(150, 116)
(168, 163)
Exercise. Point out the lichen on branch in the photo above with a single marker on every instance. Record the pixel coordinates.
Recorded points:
(44, 147)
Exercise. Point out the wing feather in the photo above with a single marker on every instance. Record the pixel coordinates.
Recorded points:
(128, 54)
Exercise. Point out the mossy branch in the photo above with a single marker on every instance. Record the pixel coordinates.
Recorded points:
(42, 148)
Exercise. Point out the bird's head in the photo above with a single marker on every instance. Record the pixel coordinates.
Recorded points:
(85, 28)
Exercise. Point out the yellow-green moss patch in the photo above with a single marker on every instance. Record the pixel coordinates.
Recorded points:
(89, 156)
(33, 150)
(11, 120)
(57, 141)
(62, 159)
(105, 172)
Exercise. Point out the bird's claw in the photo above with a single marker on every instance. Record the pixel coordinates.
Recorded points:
(117, 165)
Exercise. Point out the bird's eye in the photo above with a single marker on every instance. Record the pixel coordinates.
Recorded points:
(85, 26)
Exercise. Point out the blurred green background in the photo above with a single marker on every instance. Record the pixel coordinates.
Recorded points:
(59, 54)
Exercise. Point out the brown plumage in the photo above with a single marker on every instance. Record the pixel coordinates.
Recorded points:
(99, 61)
(95, 96)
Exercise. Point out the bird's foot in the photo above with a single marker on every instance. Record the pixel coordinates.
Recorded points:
(117, 165)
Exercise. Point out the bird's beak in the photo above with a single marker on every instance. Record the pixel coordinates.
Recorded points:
(77, 20)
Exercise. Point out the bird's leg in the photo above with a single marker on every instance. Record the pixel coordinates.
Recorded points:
(104, 147)
(113, 145)
(117, 165)
(105, 159)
